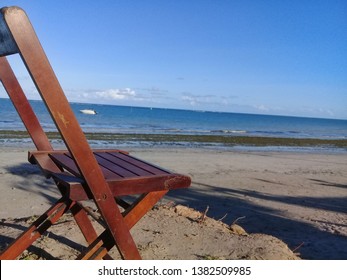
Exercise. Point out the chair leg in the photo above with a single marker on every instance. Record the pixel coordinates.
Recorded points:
(28, 237)
(141, 206)
(85, 225)
(99, 248)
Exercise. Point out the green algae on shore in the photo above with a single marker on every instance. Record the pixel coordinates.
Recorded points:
(256, 141)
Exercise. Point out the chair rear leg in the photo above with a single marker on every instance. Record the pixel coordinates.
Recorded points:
(41, 225)
(99, 248)
(85, 225)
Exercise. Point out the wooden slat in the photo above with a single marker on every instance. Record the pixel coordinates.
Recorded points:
(119, 170)
(114, 163)
(110, 151)
(45, 163)
(140, 163)
(109, 175)
(66, 152)
(66, 162)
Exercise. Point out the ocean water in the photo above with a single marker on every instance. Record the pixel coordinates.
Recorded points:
(124, 119)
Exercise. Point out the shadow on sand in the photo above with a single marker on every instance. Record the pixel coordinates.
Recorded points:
(229, 205)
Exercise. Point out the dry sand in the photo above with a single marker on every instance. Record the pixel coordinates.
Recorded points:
(281, 199)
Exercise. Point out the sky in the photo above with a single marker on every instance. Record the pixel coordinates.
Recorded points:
(264, 57)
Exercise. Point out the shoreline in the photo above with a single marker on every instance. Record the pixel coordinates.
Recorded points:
(247, 143)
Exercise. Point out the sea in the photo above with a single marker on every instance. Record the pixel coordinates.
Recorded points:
(140, 120)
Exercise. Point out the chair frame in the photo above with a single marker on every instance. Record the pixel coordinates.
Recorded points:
(18, 36)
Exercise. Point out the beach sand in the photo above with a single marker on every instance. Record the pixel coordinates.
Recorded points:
(290, 204)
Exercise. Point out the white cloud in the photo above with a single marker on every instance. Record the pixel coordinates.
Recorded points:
(102, 96)
(153, 92)
(190, 99)
(203, 100)
(261, 108)
(117, 94)
(151, 96)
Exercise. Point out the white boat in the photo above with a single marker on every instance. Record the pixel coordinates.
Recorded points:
(88, 111)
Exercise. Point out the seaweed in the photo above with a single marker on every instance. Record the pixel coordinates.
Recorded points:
(225, 140)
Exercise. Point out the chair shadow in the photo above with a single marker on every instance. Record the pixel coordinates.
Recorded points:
(6, 240)
(325, 183)
(27, 172)
(231, 204)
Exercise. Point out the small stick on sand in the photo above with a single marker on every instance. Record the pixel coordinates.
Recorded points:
(203, 216)
(239, 218)
(221, 219)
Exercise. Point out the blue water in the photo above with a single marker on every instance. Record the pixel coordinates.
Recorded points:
(124, 119)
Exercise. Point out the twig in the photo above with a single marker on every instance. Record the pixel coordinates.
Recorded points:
(169, 204)
(223, 217)
(239, 218)
(203, 217)
(96, 217)
(298, 247)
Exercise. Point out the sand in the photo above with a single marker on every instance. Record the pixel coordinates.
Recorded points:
(290, 205)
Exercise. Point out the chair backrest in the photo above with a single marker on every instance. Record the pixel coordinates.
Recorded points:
(18, 36)
(15, 92)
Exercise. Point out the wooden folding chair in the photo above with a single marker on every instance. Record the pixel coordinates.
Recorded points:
(80, 173)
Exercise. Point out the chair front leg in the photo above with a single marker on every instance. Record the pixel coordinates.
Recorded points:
(141, 206)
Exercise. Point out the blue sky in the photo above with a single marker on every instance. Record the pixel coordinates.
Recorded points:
(265, 57)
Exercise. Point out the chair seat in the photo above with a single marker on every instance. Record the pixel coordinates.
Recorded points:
(125, 174)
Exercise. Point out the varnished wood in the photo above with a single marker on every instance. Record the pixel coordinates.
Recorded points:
(120, 186)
